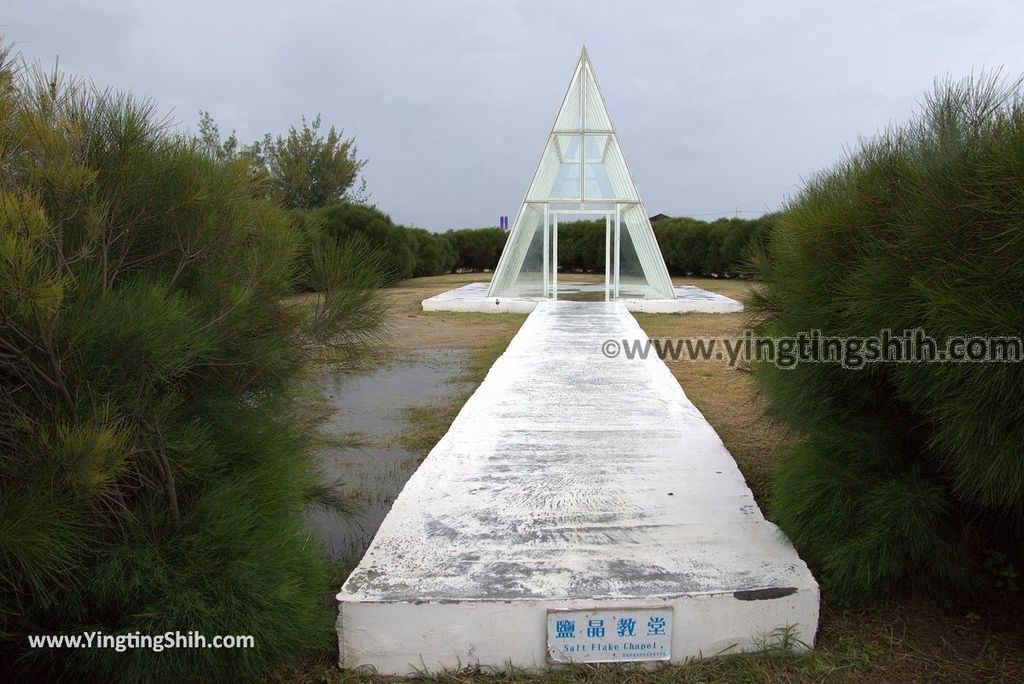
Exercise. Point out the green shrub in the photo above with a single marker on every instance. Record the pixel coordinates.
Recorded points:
(155, 447)
(433, 253)
(689, 246)
(581, 246)
(405, 252)
(717, 249)
(684, 245)
(476, 249)
(909, 472)
(342, 222)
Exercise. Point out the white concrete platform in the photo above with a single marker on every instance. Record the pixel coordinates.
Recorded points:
(473, 298)
(570, 481)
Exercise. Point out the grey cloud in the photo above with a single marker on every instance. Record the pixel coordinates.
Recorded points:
(719, 107)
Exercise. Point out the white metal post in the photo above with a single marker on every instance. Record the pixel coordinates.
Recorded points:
(607, 256)
(547, 252)
(618, 246)
(583, 129)
(554, 256)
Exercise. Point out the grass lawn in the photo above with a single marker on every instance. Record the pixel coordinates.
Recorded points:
(909, 642)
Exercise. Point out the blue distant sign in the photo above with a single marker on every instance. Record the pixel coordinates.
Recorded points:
(504, 222)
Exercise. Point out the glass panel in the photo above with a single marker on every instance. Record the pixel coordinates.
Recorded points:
(570, 114)
(618, 172)
(607, 177)
(558, 174)
(568, 148)
(520, 272)
(632, 281)
(583, 107)
(642, 271)
(596, 116)
(567, 180)
(598, 184)
(530, 281)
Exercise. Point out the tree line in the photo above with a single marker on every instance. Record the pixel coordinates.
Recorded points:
(315, 175)
(691, 247)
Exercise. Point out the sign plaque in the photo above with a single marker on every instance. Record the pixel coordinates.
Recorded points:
(609, 636)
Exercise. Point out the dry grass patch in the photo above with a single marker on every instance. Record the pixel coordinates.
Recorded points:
(412, 328)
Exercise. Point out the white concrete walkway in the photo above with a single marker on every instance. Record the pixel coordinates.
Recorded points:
(570, 481)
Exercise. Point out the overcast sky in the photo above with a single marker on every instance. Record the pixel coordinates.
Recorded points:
(720, 106)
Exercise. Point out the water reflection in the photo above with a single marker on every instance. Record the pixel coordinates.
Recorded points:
(369, 419)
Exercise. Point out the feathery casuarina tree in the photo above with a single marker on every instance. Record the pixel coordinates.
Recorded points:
(155, 436)
(303, 170)
(911, 476)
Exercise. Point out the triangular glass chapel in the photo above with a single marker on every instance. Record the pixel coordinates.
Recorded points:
(582, 175)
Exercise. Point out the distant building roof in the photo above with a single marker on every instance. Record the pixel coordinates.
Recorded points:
(659, 217)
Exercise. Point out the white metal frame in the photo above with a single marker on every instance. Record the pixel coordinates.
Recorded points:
(613, 231)
(551, 255)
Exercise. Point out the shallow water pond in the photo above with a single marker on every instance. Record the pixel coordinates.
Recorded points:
(368, 458)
